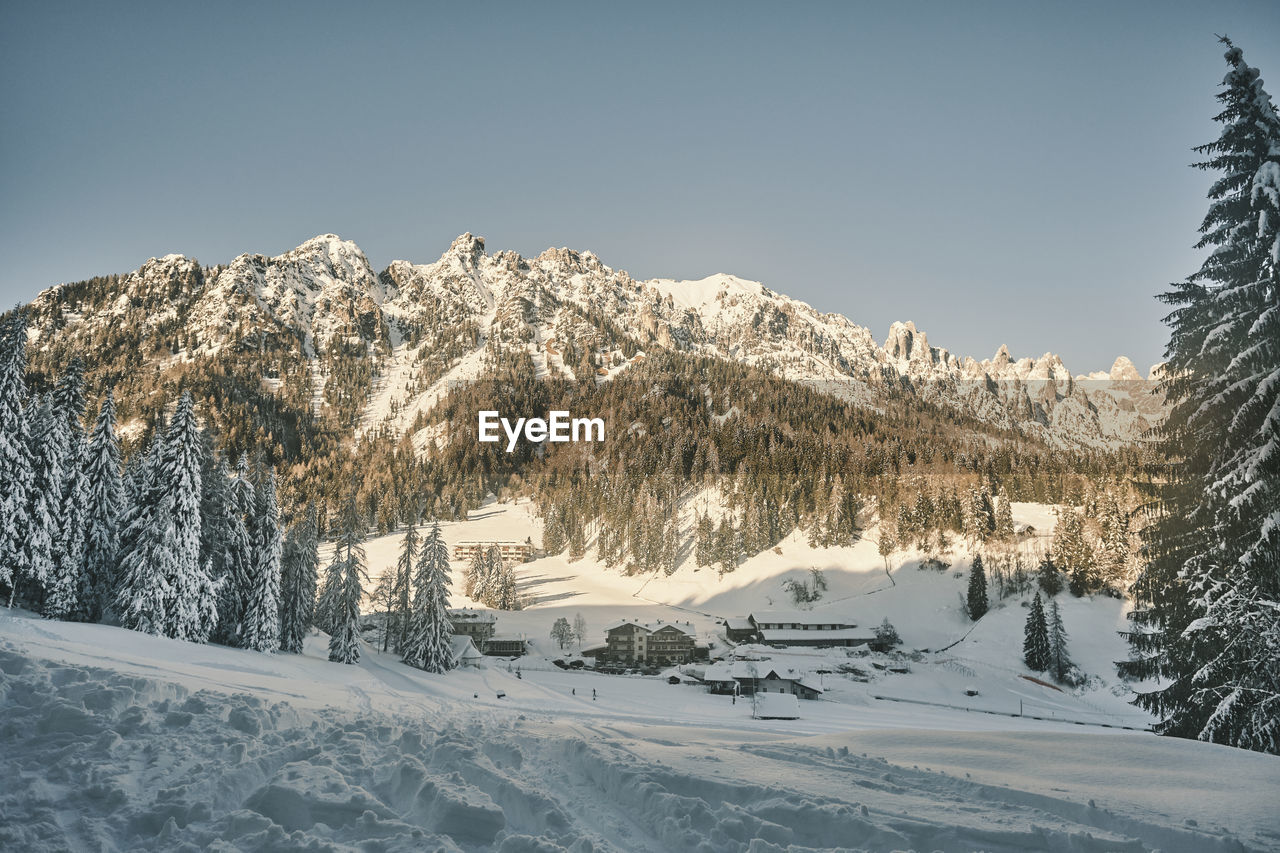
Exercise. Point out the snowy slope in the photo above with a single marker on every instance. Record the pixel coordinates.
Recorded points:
(124, 741)
(118, 740)
(924, 606)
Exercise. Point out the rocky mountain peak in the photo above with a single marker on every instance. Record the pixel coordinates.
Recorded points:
(467, 247)
(1124, 371)
(906, 343)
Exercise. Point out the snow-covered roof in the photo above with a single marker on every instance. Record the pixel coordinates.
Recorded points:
(747, 670)
(798, 617)
(464, 651)
(463, 615)
(737, 623)
(469, 542)
(682, 627)
(783, 635)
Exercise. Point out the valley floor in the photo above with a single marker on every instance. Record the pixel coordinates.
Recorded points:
(112, 740)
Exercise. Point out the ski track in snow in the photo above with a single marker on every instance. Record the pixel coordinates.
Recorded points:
(115, 740)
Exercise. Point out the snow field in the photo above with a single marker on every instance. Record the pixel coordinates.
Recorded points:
(116, 740)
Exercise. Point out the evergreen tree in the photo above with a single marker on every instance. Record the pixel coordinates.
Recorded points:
(976, 599)
(553, 535)
(236, 553)
(344, 639)
(1004, 519)
(981, 518)
(1048, 576)
(402, 589)
(15, 454)
(165, 589)
(104, 509)
(1059, 660)
(262, 610)
(474, 574)
(727, 544)
(1208, 614)
(1072, 554)
(69, 590)
(68, 396)
(48, 451)
(1113, 562)
(299, 568)
(1035, 643)
(886, 637)
(704, 542)
(431, 634)
(326, 613)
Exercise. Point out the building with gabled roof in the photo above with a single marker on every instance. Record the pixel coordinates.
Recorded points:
(806, 628)
(746, 678)
(658, 643)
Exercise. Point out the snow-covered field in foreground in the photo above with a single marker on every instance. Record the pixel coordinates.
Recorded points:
(119, 741)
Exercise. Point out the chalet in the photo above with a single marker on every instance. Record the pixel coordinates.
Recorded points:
(807, 628)
(748, 677)
(739, 630)
(512, 551)
(658, 643)
(476, 624)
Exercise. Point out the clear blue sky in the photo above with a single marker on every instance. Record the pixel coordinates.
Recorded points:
(997, 172)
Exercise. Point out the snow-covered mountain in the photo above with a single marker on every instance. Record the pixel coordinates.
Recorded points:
(419, 327)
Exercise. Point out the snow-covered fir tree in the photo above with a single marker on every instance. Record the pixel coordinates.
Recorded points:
(262, 602)
(1035, 637)
(398, 614)
(1060, 665)
(474, 578)
(429, 646)
(104, 505)
(1072, 554)
(299, 567)
(232, 509)
(1208, 617)
(70, 591)
(165, 589)
(193, 594)
(1048, 576)
(67, 594)
(976, 597)
(68, 395)
(48, 450)
(554, 539)
(704, 549)
(344, 638)
(15, 454)
(1004, 518)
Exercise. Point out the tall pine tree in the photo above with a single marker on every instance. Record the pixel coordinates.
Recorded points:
(976, 599)
(15, 453)
(344, 637)
(1035, 637)
(429, 645)
(262, 603)
(1207, 620)
(105, 505)
(299, 567)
